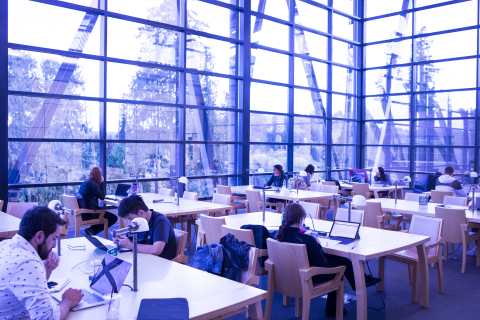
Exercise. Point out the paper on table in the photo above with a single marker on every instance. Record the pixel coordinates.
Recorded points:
(328, 243)
(62, 282)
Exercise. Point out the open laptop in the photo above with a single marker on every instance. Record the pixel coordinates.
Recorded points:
(259, 183)
(344, 231)
(121, 191)
(98, 244)
(111, 273)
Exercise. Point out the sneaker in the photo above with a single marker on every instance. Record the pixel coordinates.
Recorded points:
(371, 281)
(472, 253)
(334, 314)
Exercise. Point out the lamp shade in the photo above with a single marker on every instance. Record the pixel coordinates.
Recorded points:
(261, 170)
(407, 179)
(473, 175)
(55, 205)
(142, 224)
(359, 201)
(183, 180)
(302, 173)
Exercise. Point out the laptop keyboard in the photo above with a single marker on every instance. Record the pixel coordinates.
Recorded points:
(90, 298)
(342, 240)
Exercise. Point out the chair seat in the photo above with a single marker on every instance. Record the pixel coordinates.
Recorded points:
(412, 255)
(322, 284)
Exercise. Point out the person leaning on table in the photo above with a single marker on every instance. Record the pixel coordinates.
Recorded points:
(159, 240)
(26, 263)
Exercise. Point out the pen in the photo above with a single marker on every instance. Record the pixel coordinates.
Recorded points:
(354, 247)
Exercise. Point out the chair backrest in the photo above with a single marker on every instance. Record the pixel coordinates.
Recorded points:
(356, 215)
(287, 259)
(70, 202)
(426, 226)
(316, 187)
(165, 192)
(18, 209)
(371, 211)
(437, 196)
(224, 190)
(254, 199)
(311, 208)
(328, 183)
(240, 234)
(1, 205)
(190, 195)
(455, 201)
(249, 276)
(431, 182)
(212, 227)
(180, 242)
(410, 196)
(362, 189)
(221, 199)
(452, 219)
(329, 189)
(352, 171)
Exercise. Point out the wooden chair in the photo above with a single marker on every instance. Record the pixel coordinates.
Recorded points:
(254, 202)
(228, 191)
(437, 196)
(455, 201)
(1, 205)
(316, 187)
(166, 192)
(211, 229)
(70, 203)
(372, 213)
(362, 189)
(424, 226)
(329, 189)
(407, 218)
(18, 209)
(293, 278)
(328, 183)
(312, 209)
(180, 243)
(356, 215)
(221, 199)
(190, 195)
(455, 230)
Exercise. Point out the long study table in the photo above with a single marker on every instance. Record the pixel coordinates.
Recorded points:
(9, 226)
(303, 195)
(376, 189)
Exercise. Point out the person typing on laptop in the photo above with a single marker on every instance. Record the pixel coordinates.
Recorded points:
(26, 263)
(159, 240)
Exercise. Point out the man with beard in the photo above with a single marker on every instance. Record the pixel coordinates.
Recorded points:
(26, 263)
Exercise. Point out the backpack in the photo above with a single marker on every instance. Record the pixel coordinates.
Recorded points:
(358, 177)
(302, 185)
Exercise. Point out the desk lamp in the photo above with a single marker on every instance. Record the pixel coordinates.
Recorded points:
(57, 206)
(137, 225)
(473, 187)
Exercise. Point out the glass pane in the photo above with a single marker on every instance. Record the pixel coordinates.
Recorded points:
(46, 162)
(311, 74)
(305, 155)
(423, 3)
(379, 7)
(347, 6)
(48, 73)
(268, 128)
(265, 97)
(386, 81)
(343, 157)
(212, 159)
(310, 102)
(446, 75)
(431, 159)
(344, 80)
(395, 158)
(141, 122)
(210, 55)
(391, 53)
(165, 11)
(445, 132)
(144, 186)
(87, 3)
(453, 16)
(211, 91)
(444, 46)
(311, 44)
(36, 24)
(311, 16)
(344, 53)
(340, 175)
(344, 27)
(446, 104)
(141, 83)
(344, 107)
(387, 107)
(206, 187)
(309, 130)
(212, 125)
(387, 132)
(52, 118)
(270, 34)
(202, 16)
(145, 43)
(153, 160)
(344, 132)
(388, 28)
(270, 66)
(266, 156)
(41, 195)
(274, 8)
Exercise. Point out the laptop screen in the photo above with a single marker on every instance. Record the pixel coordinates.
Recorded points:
(122, 189)
(259, 182)
(111, 273)
(344, 229)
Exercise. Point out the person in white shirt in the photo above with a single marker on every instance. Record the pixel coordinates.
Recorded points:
(447, 182)
(26, 263)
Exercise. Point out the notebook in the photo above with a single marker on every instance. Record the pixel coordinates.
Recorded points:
(163, 309)
(98, 244)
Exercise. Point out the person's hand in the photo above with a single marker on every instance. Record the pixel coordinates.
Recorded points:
(73, 296)
(102, 179)
(52, 261)
(123, 242)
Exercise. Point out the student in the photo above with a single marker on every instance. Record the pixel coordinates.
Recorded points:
(289, 231)
(159, 240)
(24, 292)
(91, 190)
(310, 172)
(381, 177)
(447, 182)
(277, 177)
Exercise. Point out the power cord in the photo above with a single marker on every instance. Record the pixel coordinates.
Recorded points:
(78, 264)
(383, 301)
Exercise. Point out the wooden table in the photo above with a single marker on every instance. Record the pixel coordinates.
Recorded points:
(209, 296)
(374, 243)
(376, 189)
(8, 225)
(303, 195)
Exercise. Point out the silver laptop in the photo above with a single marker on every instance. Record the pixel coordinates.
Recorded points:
(111, 273)
(259, 183)
(344, 231)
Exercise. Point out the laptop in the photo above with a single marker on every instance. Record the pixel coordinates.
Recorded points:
(111, 273)
(121, 191)
(344, 231)
(98, 244)
(259, 183)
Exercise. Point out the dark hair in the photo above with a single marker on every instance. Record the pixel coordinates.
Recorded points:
(131, 204)
(449, 170)
(96, 175)
(382, 174)
(293, 213)
(39, 219)
(279, 168)
(438, 173)
(310, 169)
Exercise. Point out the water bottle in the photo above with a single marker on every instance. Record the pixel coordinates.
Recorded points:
(289, 185)
(284, 183)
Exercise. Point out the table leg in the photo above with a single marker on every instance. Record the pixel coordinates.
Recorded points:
(375, 193)
(424, 281)
(255, 311)
(361, 289)
(399, 194)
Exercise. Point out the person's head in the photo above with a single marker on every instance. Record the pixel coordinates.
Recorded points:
(293, 214)
(277, 170)
(381, 172)
(41, 227)
(310, 169)
(96, 175)
(215, 163)
(449, 170)
(438, 173)
(133, 207)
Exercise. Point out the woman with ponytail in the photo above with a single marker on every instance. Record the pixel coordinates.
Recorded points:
(289, 231)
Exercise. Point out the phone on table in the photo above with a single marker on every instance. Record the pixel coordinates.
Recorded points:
(157, 200)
